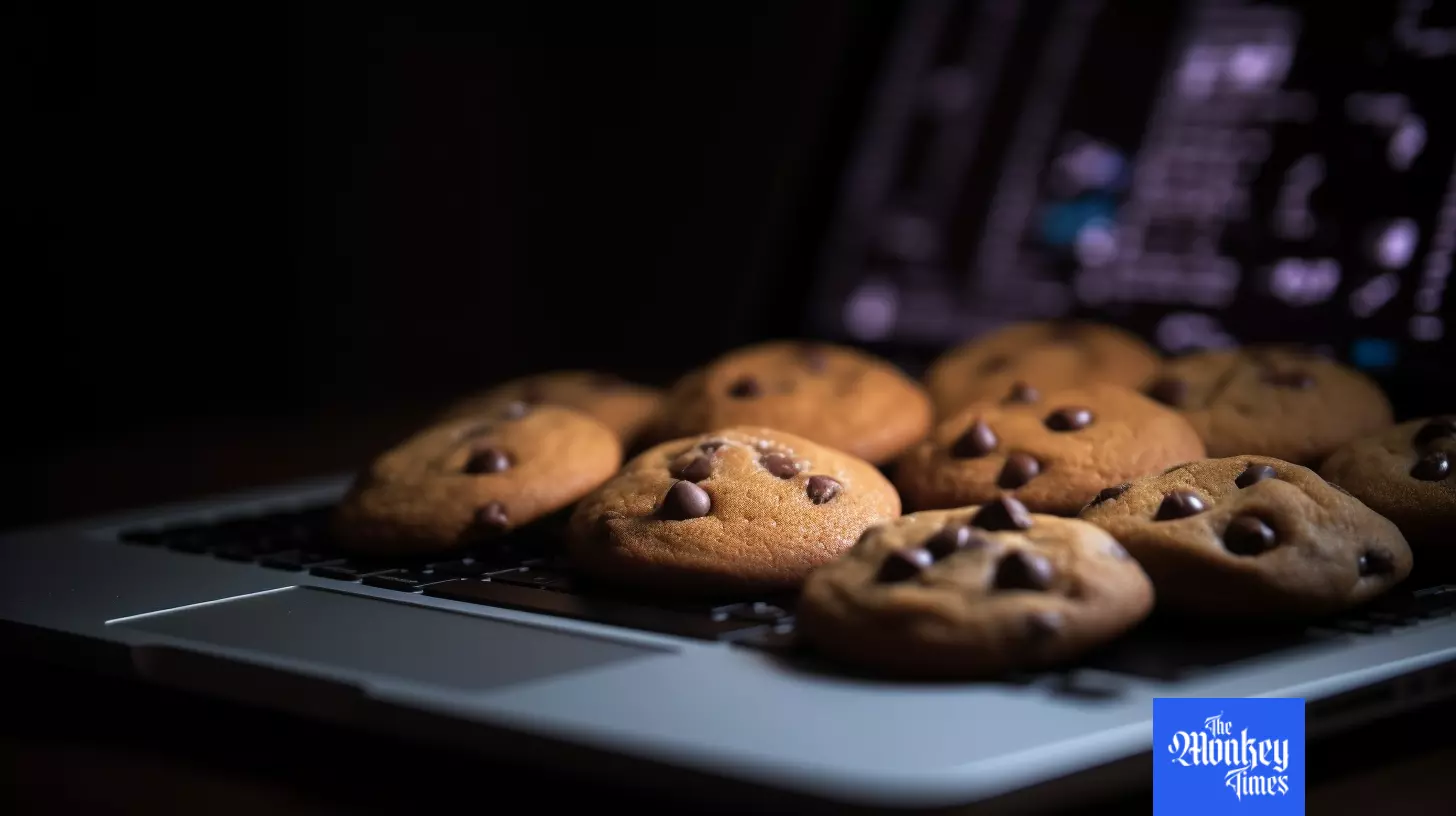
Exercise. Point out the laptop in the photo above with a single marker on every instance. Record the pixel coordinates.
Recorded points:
(1177, 168)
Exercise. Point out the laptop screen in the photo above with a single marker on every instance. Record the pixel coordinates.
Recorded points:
(1204, 173)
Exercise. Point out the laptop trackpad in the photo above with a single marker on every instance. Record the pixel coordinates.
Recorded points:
(387, 638)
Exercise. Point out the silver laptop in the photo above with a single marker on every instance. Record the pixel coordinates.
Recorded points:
(242, 597)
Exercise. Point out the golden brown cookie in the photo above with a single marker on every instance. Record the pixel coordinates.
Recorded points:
(1404, 473)
(624, 407)
(1253, 537)
(739, 510)
(973, 592)
(1272, 401)
(460, 482)
(1041, 357)
(833, 395)
(1053, 453)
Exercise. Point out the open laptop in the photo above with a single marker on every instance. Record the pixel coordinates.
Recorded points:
(1177, 168)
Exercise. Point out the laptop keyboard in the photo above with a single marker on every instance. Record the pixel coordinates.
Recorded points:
(523, 572)
(526, 572)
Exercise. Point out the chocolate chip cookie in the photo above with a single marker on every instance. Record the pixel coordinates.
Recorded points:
(738, 510)
(973, 592)
(623, 406)
(1274, 401)
(1404, 473)
(1252, 537)
(1052, 452)
(1037, 357)
(461, 482)
(833, 395)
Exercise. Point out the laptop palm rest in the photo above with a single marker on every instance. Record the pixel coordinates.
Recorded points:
(373, 636)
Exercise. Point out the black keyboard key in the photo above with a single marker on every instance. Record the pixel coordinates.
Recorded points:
(406, 580)
(538, 578)
(756, 612)
(560, 604)
(145, 538)
(473, 568)
(189, 540)
(235, 552)
(351, 570)
(769, 638)
(296, 560)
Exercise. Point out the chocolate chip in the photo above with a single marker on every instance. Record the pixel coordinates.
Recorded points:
(515, 410)
(1107, 494)
(978, 440)
(951, 540)
(994, 363)
(1249, 535)
(493, 517)
(745, 388)
(1024, 570)
(685, 500)
(1019, 469)
(1438, 428)
(780, 465)
(1043, 624)
(1022, 393)
(1433, 467)
(711, 446)
(1169, 391)
(902, 565)
(1005, 513)
(1253, 474)
(822, 489)
(695, 469)
(1376, 562)
(1289, 379)
(1069, 419)
(815, 358)
(1180, 504)
(488, 460)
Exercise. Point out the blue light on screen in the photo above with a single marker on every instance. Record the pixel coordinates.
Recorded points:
(1374, 352)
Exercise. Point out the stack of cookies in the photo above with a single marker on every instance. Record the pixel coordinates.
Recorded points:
(1061, 482)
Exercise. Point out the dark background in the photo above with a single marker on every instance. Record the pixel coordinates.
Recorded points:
(234, 219)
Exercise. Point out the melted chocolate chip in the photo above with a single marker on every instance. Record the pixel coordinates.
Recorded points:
(951, 540)
(515, 410)
(493, 517)
(978, 440)
(1022, 393)
(1169, 391)
(1005, 513)
(1069, 419)
(695, 469)
(993, 364)
(685, 500)
(780, 465)
(1299, 380)
(902, 565)
(1249, 535)
(1376, 562)
(1253, 474)
(1180, 504)
(488, 460)
(1433, 467)
(1019, 569)
(745, 388)
(815, 358)
(822, 489)
(1438, 428)
(1019, 469)
(1107, 494)
(1043, 624)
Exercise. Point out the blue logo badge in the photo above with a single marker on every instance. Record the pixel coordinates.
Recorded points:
(1228, 755)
